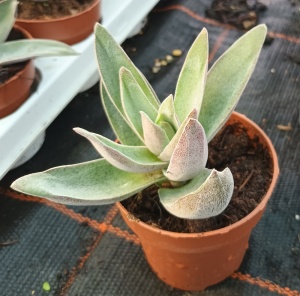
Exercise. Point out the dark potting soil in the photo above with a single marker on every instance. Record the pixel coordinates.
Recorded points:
(49, 9)
(242, 14)
(251, 167)
(8, 71)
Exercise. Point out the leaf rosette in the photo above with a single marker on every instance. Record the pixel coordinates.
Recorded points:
(158, 142)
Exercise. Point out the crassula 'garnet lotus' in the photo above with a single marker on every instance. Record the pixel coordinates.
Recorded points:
(159, 142)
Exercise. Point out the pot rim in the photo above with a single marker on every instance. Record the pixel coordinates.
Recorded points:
(27, 35)
(23, 31)
(54, 20)
(260, 206)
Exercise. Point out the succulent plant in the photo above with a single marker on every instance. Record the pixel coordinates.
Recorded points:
(159, 142)
(16, 51)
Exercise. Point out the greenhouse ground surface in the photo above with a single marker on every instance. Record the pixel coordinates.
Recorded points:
(87, 251)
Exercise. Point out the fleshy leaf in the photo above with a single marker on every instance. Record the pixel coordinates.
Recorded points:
(191, 82)
(190, 154)
(166, 126)
(16, 51)
(207, 195)
(111, 58)
(121, 127)
(134, 159)
(227, 79)
(134, 101)
(168, 151)
(7, 18)
(155, 137)
(91, 183)
(166, 112)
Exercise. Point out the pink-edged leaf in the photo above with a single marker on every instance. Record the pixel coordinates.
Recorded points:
(134, 101)
(118, 122)
(111, 58)
(191, 81)
(94, 182)
(190, 154)
(207, 195)
(227, 79)
(155, 137)
(134, 159)
(168, 151)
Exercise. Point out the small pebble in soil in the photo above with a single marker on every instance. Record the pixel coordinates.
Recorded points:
(157, 63)
(176, 52)
(169, 58)
(297, 217)
(164, 62)
(155, 69)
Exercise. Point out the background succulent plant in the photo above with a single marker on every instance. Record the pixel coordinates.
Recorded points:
(159, 142)
(20, 50)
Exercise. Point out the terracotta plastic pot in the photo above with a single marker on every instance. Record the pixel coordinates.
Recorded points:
(16, 90)
(69, 29)
(196, 261)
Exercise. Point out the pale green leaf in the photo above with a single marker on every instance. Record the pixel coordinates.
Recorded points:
(155, 137)
(190, 154)
(227, 79)
(205, 196)
(91, 183)
(166, 112)
(118, 122)
(168, 151)
(16, 51)
(191, 82)
(134, 159)
(111, 58)
(7, 17)
(134, 101)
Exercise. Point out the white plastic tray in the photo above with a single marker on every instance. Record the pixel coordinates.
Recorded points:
(62, 79)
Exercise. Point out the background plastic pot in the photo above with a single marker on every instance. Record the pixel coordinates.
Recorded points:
(196, 261)
(16, 90)
(69, 29)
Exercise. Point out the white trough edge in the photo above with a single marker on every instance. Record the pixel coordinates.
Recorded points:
(62, 79)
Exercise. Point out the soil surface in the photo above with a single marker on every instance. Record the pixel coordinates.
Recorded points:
(251, 167)
(242, 14)
(49, 9)
(8, 71)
